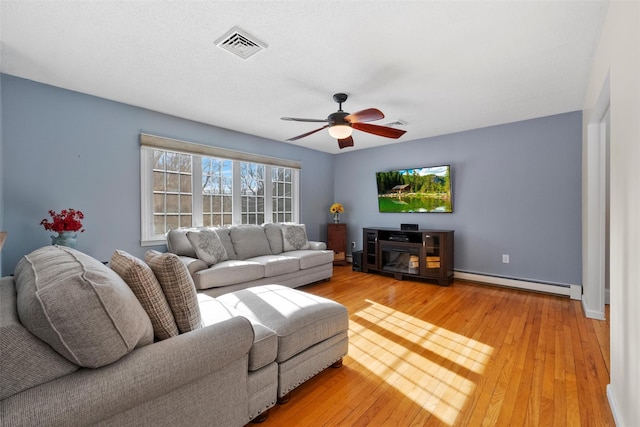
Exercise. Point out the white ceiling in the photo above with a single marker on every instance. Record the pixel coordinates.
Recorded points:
(440, 66)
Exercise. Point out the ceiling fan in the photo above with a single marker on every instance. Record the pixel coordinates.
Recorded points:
(341, 124)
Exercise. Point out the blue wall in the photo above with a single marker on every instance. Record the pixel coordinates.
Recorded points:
(517, 191)
(517, 187)
(65, 149)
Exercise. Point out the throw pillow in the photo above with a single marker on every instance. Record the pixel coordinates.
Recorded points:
(145, 286)
(79, 306)
(178, 288)
(208, 246)
(294, 237)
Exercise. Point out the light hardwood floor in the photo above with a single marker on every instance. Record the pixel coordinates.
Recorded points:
(463, 355)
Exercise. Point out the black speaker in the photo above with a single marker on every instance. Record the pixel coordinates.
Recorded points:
(356, 262)
(408, 226)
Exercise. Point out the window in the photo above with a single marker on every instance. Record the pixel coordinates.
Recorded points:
(172, 194)
(185, 184)
(252, 192)
(282, 194)
(217, 192)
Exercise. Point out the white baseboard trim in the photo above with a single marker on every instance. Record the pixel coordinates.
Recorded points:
(575, 292)
(592, 314)
(613, 404)
(572, 291)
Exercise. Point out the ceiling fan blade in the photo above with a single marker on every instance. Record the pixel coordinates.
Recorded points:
(346, 142)
(368, 115)
(385, 131)
(295, 138)
(295, 119)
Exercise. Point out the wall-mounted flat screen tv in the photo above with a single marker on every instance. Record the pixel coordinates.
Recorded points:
(415, 190)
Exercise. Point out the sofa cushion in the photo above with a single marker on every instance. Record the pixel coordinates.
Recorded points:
(208, 246)
(178, 288)
(249, 241)
(265, 342)
(79, 306)
(309, 258)
(145, 286)
(228, 273)
(294, 237)
(300, 319)
(274, 235)
(179, 244)
(275, 265)
(30, 361)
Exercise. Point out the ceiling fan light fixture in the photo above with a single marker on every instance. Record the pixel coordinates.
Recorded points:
(341, 124)
(340, 131)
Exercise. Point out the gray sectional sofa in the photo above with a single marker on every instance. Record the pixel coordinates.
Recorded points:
(135, 344)
(227, 259)
(78, 349)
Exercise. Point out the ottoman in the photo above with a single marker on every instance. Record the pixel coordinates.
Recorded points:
(312, 331)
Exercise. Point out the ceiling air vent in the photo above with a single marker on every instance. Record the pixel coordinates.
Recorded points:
(240, 43)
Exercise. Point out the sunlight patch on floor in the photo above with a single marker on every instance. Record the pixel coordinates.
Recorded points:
(466, 352)
(404, 360)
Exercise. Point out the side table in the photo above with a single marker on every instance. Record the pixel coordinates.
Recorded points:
(337, 242)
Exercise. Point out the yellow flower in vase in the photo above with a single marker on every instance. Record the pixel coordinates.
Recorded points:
(336, 209)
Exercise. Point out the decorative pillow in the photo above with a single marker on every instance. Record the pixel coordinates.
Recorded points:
(208, 246)
(294, 237)
(249, 241)
(79, 306)
(151, 253)
(145, 286)
(178, 288)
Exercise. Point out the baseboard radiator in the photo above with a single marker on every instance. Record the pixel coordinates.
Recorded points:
(572, 291)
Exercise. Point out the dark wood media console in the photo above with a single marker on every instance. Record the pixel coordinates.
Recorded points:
(422, 254)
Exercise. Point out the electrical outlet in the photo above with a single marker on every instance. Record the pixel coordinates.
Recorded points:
(505, 258)
(353, 245)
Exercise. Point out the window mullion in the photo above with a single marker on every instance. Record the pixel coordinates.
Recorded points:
(196, 191)
(237, 193)
(268, 194)
(146, 205)
(295, 202)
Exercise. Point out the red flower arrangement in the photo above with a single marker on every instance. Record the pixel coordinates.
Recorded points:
(66, 220)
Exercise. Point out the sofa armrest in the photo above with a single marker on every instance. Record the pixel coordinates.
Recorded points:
(317, 246)
(142, 376)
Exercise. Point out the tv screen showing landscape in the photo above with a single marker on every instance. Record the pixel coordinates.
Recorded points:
(418, 190)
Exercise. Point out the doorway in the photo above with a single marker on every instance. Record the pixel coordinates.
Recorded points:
(595, 269)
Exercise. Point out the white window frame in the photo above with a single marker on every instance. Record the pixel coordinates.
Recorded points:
(294, 191)
(149, 143)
